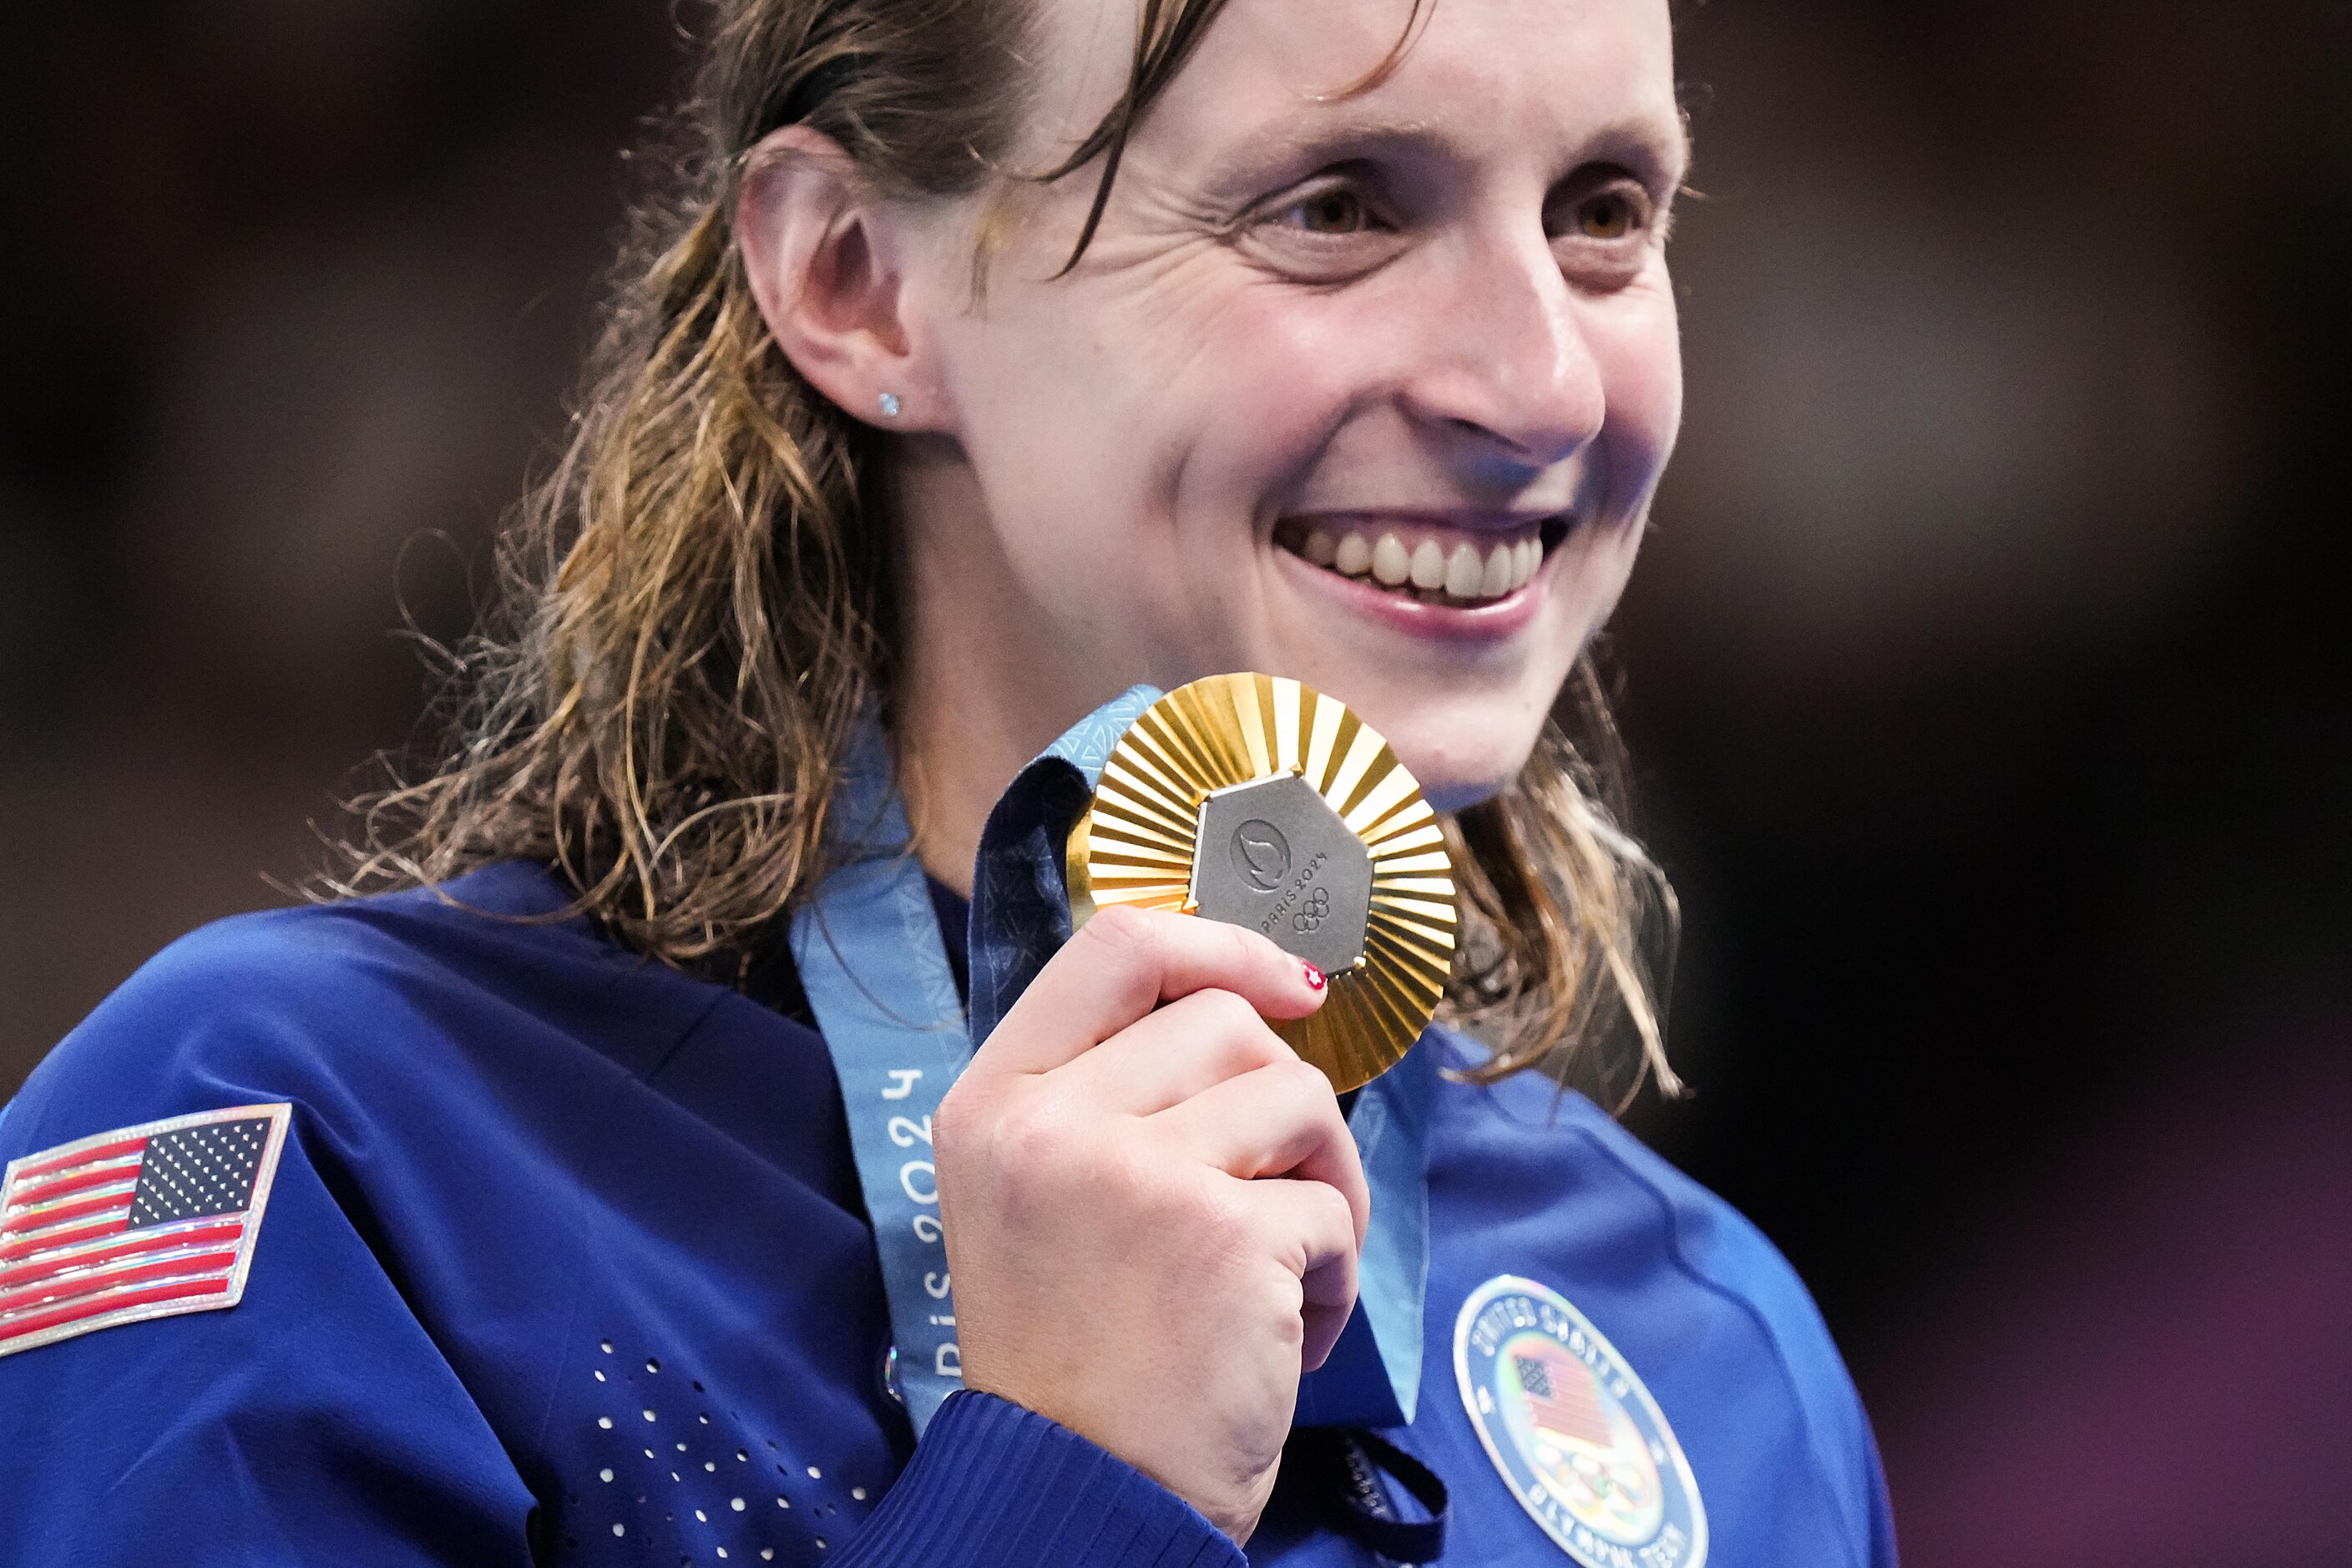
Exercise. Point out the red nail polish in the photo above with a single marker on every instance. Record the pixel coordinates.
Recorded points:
(1314, 976)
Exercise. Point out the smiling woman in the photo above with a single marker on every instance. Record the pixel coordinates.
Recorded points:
(1457, 344)
(985, 363)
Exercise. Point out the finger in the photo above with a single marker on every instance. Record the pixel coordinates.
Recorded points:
(1281, 1120)
(1315, 1237)
(1124, 962)
(1170, 1056)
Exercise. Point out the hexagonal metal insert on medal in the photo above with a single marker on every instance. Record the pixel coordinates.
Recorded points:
(1273, 856)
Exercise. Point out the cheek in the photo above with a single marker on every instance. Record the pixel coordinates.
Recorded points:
(1191, 399)
(1638, 348)
(1272, 377)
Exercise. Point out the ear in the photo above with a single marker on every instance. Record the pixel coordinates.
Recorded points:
(826, 262)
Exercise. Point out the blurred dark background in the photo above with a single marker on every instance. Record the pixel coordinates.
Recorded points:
(1986, 673)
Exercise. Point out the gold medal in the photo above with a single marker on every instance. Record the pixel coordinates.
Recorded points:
(1254, 800)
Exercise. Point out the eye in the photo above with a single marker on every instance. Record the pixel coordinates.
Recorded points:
(1333, 228)
(1606, 215)
(1334, 209)
(1606, 229)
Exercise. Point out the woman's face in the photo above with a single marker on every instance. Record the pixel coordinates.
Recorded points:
(1369, 390)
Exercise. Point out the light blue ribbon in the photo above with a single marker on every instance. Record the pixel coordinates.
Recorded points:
(869, 957)
(875, 968)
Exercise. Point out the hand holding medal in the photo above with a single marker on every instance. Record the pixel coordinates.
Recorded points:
(1157, 1111)
(1153, 1208)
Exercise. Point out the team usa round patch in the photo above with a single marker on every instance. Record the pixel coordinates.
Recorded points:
(1579, 1439)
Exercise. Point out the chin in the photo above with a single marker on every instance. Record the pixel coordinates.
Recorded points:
(1460, 754)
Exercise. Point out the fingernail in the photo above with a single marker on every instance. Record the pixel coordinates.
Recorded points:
(1314, 976)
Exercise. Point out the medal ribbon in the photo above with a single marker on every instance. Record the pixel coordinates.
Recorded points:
(868, 956)
(871, 958)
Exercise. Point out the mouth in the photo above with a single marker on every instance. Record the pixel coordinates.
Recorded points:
(1427, 562)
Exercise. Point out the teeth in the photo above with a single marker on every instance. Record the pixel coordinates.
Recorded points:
(1464, 572)
(1430, 567)
(1502, 573)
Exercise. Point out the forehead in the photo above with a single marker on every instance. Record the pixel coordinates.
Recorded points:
(1497, 72)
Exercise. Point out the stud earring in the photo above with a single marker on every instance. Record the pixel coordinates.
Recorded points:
(889, 401)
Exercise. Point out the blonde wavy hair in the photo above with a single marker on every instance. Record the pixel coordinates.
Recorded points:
(694, 605)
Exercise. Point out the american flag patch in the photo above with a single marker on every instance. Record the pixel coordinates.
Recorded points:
(1562, 1393)
(142, 1222)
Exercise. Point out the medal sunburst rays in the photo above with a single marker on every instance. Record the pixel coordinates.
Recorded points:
(1137, 842)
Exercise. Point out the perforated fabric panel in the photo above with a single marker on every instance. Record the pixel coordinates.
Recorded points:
(681, 1478)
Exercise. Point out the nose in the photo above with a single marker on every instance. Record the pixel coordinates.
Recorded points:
(1507, 370)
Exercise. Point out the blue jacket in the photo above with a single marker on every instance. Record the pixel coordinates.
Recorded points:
(564, 1261)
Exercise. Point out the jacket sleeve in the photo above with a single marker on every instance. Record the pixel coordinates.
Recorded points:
(1882, 1516)
(314, 1421)
(993, 1483)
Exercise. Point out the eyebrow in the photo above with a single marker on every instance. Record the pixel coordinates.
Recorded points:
(1344, 131)
(1637, 136)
